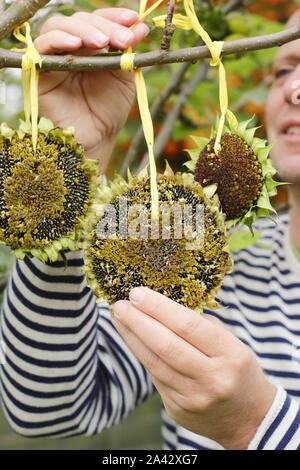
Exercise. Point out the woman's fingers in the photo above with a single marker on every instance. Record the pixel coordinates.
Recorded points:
(207, 336)
(57, 41)
(140, 31)
(118, 15)
(172, 349)
(119, 36)
(92, 30)
(155, 366)
(86, 31)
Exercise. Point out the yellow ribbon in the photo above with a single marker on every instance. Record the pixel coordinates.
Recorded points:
(178, 20)
(142, 98)
(142, 13)
(127, 63)
(149, 137)
(215, 48)
(30, 76)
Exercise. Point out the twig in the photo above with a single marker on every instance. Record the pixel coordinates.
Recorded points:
(209, 4)
(69, 62)
(169, 27)
(232, 5)
(17, 13)
(167, 129)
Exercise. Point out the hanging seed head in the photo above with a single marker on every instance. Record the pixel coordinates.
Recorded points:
(242, 171)
(235, 169)
(44, 195)
(159, 256)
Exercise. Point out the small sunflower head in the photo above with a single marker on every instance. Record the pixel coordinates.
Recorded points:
(242, 171)
(44, 195)
(169, 254)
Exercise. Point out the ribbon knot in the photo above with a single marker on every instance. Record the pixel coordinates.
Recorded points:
(215, 50)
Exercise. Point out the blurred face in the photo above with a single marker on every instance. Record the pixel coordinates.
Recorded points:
(283, 110)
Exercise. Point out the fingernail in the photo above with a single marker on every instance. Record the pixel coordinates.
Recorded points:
(137, 294)
(99, 39)
(129, 16)
(123, 37)
(73, 41)
(119, 308)
(142, 29)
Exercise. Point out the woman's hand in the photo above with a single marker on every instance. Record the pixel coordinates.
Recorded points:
(209, 380)
(95, 103)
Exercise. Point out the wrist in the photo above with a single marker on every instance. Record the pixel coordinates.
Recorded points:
(241, 439)
(244, 431)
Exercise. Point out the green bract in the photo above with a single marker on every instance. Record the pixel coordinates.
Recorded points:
(242, 171)
(46, 196)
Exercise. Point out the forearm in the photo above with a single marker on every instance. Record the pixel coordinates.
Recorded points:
(48, 326)
(67, 371)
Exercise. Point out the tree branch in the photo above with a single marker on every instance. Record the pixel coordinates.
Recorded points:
(69, 62)
(17, 13)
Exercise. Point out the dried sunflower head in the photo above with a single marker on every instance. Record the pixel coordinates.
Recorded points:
(242, 171)
(186, 265)
(45, 196)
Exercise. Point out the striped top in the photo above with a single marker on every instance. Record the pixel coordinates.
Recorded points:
(68, 372)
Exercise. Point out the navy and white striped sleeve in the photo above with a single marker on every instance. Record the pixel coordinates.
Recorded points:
(66, 371)
(280, 429)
